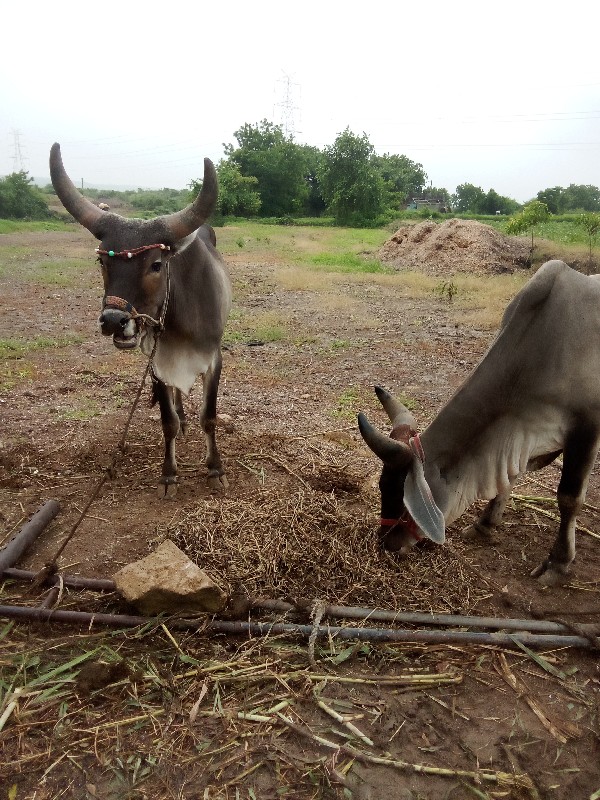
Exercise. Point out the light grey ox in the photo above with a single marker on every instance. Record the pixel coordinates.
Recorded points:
(163, 270)
(534, 395)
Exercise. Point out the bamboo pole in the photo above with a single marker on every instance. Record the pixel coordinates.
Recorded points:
(71, 581)
(418, 617)
(532, 640)
(341, 612)
(12, 552)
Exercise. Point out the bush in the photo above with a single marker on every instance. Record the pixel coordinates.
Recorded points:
(19, 199)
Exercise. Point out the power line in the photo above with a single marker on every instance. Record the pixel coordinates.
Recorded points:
(18, 152)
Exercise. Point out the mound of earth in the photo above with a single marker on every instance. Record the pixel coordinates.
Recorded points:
(456, 245)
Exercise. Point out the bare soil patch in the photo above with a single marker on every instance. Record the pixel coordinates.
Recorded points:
(189, 715)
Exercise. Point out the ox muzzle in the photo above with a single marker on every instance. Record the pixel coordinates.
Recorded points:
(398, 534)
(121, 325)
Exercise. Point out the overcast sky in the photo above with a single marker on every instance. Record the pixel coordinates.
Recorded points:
(505, 94)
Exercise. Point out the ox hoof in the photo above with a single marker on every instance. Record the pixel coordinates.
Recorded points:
(218, 483)
(166, 490)
(477, 534)
(550, 575)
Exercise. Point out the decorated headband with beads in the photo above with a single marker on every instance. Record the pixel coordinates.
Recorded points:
(133, 252)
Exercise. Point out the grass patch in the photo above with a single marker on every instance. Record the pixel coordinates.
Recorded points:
(294, 243)
(348, 405)
(347, 262)
(87, 409)
(27, 226)
(265, 327)
(20, 263)
(12, 374)
(17, 348)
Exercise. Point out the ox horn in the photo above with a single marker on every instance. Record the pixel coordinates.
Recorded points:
(392, 453)
(182, 223)
(396, 411)
(82, 209)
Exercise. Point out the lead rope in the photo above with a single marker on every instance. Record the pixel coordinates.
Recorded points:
(50, 568)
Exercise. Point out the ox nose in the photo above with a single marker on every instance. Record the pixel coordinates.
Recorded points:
(112, 321)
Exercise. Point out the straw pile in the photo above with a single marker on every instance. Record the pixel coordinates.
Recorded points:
(310, 532)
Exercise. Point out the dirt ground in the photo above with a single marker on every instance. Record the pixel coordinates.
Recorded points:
(298, 522)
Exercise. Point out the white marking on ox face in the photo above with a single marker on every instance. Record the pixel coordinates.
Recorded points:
(129, 338)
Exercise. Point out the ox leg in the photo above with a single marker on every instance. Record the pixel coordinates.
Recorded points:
(489, 520)
(578, 459)
(167, 486)
(183, 425)
(208, 419)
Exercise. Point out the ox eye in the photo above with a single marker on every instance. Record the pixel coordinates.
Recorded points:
(156, 266)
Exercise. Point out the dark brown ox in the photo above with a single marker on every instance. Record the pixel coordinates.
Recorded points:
(535, 395)
(165, 267)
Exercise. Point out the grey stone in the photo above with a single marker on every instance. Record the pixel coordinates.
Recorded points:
(168, 581)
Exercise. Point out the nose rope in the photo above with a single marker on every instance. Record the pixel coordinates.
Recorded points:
(50, 567)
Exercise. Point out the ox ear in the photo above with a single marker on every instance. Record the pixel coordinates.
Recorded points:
(419, 501)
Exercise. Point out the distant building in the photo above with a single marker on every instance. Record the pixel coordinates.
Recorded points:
(435, 203)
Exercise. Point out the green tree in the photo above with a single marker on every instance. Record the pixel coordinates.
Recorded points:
(590, 222)
(468, 197)
(20, 199)
(554, 198)
(402, 177)
(493, 202)
(443, 194)
(533, 214)
(237, 194)
(314, 204)
(351, 184)
(279, 165)
(582, 198)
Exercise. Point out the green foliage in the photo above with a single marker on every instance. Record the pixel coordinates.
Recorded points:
(447, 290)
(19, 199)
(470, 198)
(590, 222)
(402, 178)
(467, 197)
(238, 195)
(351, 184)
(278, 164)
(575, 197)
(146, 203)
(553, 198)
(532, 215)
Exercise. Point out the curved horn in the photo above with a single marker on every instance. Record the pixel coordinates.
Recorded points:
(392, 453)
(182, 223)
(84, 211)
(396, 411)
